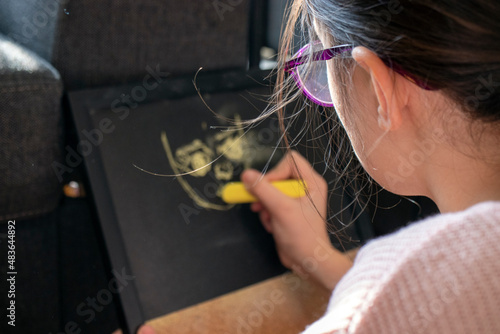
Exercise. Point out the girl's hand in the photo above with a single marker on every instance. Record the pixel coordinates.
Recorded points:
(298, 224)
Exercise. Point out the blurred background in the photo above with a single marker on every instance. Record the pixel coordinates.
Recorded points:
(51, 48)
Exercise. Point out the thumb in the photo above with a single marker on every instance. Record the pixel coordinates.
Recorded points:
(262, 189)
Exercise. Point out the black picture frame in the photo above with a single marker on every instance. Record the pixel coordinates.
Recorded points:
(86, 104)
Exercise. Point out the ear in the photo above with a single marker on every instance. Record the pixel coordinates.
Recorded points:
(383, 81)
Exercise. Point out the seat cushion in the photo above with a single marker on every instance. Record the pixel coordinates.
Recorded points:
(30, 132)
(108, 42)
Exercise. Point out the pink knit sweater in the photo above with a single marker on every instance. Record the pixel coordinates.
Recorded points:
(440, 275)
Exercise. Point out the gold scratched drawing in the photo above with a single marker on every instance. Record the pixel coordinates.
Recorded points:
(196, 154)
(197, 159)
(185, 185)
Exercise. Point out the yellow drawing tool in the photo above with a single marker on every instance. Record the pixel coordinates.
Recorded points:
(236, 193)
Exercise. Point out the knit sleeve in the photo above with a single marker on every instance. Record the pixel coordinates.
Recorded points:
(440, 275)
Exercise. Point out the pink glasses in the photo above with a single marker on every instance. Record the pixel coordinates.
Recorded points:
(313, 80)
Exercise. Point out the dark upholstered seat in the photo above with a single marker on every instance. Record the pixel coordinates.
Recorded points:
(95, 42)
(30, 132)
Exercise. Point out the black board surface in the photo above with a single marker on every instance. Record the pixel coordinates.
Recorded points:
(181, 243)
(171, 232)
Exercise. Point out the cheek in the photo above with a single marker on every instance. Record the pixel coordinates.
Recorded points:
(340, 99)
(356, 105)
(378, 151)
(352, 109)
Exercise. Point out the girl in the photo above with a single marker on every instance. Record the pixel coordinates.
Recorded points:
(416, 86)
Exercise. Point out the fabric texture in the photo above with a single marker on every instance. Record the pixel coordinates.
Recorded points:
(31, 132)
(99, 43)
(440, 275)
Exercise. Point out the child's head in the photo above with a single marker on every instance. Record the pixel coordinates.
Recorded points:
(421, 74)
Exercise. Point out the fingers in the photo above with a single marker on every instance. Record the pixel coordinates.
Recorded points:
(315, 182)
(265, 218)
(287, 167)
(295, 166)
(271, 198)
(256, 206)
(264, 215)
(273, 205)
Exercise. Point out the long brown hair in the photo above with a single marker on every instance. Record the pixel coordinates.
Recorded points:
(451, 45)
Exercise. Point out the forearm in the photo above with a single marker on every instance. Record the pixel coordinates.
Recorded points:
(332, 268)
